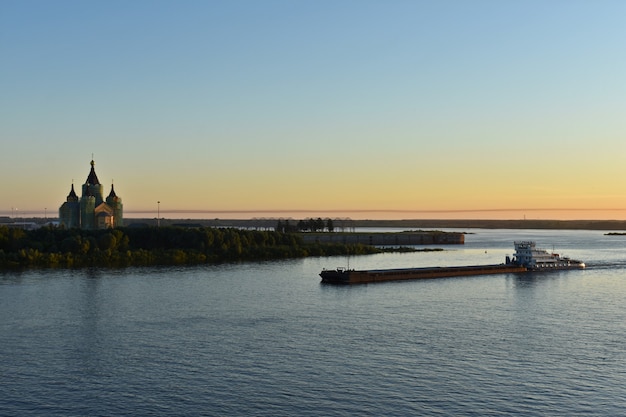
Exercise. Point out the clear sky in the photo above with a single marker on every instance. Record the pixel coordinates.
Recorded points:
(342, 108)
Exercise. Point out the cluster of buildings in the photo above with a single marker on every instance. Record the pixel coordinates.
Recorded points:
(91, 210)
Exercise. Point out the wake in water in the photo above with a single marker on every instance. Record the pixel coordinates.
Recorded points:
(603, 265)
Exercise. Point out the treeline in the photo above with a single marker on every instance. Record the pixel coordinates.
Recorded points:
(143, 246)
(309, 225)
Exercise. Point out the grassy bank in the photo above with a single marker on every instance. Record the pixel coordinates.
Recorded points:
(144, 246)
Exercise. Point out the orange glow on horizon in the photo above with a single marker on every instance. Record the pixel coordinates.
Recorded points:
(374, 214)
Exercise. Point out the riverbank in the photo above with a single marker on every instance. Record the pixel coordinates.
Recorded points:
(387, 238)
(50, 247)
(346, 224)
(349, 224)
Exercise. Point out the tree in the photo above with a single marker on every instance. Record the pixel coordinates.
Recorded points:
(107, 241)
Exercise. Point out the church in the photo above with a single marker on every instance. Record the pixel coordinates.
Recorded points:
(91, 210)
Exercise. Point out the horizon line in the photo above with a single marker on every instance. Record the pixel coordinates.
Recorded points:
(22, 213)
(248, 211)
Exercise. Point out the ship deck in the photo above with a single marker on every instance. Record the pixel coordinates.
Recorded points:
(340, 276)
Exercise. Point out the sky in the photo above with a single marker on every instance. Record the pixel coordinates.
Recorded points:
(400, 109)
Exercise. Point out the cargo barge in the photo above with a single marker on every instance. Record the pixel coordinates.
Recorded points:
(351, 276)
(526, 258)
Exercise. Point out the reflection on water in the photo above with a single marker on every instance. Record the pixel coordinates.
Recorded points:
(269, 339)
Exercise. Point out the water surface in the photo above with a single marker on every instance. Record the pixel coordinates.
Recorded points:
(269, 339)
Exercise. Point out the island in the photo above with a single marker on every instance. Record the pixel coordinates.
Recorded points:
(52, 246)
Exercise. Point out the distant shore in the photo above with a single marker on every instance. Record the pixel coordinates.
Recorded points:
(347, 224)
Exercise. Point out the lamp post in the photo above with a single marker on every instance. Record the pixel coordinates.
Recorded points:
(158, 214)
(45, 214)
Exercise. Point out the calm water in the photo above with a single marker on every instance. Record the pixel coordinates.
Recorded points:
(269, 340)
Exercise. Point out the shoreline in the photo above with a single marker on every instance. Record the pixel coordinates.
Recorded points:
(346, 224)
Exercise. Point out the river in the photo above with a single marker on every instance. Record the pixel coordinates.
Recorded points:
(267, 339)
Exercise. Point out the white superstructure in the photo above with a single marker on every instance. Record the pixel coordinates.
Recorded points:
(528, 255)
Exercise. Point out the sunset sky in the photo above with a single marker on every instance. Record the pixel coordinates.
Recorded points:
(362, 109)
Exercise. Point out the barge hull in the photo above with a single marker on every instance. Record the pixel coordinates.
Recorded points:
(340, 276)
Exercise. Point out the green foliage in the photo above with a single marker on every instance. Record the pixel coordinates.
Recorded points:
(59, 247)
(309, 225)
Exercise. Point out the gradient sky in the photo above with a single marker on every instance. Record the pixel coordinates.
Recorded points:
(366, 109)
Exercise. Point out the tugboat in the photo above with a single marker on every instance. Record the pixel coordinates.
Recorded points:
(534, 259)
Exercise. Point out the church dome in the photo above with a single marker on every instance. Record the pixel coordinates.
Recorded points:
(72, 196)
(92, 179)
(112, 193)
